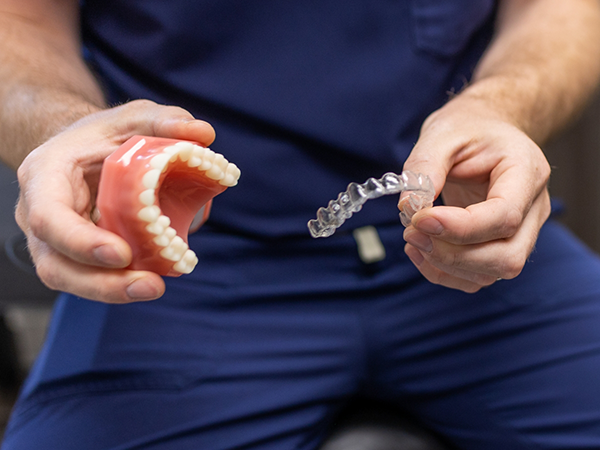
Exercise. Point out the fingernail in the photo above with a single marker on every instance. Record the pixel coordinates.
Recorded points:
(419, 240)
(142, 290)
(429, 225)
(108, 254)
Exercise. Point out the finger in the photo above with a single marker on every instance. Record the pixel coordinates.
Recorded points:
(502, 258)
(148, 118)
(437, 276)
(106, 285)
(77, 238)
(495, 218)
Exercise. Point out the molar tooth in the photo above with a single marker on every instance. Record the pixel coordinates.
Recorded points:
(187, 263)
(147, 197)
(220, 161)
(228, 180)
(155, 228)
(161, 240)
(183, 268)
(150, 179)
(215, 173)
(190, 257)
(232, 174)
(170, 233)
(207, 160)
(175, 250)
(168, 253)
(160, 161)
(149, 213)
(179, 245)
(163, 221)
(194, 161)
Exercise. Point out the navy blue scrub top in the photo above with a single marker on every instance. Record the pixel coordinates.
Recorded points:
(305, 96)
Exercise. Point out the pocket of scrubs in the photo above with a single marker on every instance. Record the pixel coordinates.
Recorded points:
(444, 28)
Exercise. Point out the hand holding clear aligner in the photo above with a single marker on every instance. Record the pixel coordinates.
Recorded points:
(419, 187)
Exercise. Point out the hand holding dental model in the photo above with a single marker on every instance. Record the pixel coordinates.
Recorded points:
(149, 193)
(59, 182)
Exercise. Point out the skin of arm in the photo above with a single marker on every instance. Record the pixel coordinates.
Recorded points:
(482, 148)
(57, 129)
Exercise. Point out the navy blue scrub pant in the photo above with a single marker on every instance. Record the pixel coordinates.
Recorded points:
(267, 340)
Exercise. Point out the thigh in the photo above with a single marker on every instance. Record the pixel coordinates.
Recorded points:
(239, 355)
(514, 366)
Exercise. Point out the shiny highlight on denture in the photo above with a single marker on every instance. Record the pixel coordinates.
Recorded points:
(419, 188)
(152, 191)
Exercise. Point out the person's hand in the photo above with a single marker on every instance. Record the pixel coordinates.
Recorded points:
(493, 182)
(58, 182)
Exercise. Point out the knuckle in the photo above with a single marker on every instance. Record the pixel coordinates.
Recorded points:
(47, 274)
(37, 222)
(512, 266)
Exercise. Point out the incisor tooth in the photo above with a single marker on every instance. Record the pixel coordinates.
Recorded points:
(171, 149)
(147, 197)
(149, 213)
(150, 179)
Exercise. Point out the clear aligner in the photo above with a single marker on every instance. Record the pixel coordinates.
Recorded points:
(420, 195)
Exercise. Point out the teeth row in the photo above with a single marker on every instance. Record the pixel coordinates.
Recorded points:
(214, 165)
(174, 247)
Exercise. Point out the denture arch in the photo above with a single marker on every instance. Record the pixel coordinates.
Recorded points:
(153, 191)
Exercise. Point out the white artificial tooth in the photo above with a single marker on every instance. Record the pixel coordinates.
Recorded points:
(189, 257)
(232, 174)
(147, 197)
(228, 180)
(155, 228)
(175, 250)
(179, 245)
(149, 213)
(185, 150)
(207, 160)
(220, 161)
(170, 233)
(163, 221)
(168, 253)
(160, 161)
(161, 240)
(194, 161)
(215, 173)
(182, 267)
(150, 179)
(171, 150)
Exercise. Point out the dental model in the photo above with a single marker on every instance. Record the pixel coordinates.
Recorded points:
(152, 191)
(420, 195)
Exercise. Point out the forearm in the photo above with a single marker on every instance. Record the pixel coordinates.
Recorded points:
(542, 65)
(44, 84)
